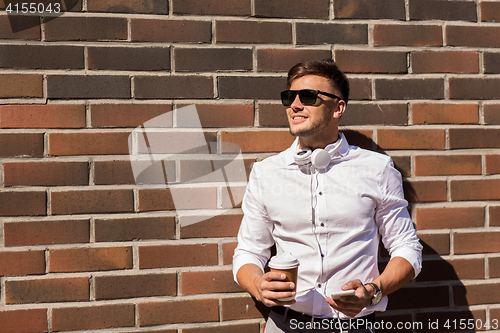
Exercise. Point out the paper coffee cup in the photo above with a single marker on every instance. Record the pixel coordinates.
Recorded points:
(287, 264)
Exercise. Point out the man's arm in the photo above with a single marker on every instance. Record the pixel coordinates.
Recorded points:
(266, 288)
(397, 273)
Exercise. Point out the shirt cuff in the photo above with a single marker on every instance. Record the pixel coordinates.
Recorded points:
(241, 259)
(412, 256)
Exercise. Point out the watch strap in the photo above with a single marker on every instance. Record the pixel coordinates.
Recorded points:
(378, 293)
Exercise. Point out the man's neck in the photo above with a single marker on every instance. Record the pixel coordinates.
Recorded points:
(315, 143)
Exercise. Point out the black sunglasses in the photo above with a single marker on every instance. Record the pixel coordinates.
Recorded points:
(306, 96)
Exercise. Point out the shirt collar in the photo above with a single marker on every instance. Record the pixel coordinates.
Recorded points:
(339, 148)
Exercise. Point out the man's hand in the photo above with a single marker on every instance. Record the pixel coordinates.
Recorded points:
(352, 305)
(272, 286)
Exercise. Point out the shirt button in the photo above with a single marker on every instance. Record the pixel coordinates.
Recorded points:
(319, 285)
(322, 224)
(320, 193)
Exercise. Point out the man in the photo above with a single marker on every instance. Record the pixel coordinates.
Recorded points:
(331, 217)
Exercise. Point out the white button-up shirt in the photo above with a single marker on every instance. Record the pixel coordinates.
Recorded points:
(330, 219)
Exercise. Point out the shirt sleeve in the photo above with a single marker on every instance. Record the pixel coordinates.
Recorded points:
(394, 222)
(255, 235)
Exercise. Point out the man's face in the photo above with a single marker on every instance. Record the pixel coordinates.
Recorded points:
(314, 121)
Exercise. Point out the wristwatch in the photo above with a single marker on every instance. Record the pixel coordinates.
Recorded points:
(378, 293)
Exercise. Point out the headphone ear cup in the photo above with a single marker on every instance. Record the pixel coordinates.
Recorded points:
(320, 158)
(302, 156)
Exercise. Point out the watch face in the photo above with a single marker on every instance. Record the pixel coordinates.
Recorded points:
(376, 299)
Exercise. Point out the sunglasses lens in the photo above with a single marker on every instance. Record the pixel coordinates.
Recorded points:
(287, 97)
(308, 97)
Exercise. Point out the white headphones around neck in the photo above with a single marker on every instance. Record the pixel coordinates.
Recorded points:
(319, 158)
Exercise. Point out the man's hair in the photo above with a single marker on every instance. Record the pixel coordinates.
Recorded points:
(326, 68)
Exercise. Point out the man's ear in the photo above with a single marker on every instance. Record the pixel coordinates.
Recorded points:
(341, 106)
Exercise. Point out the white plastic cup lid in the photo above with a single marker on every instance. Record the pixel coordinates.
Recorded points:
(284, 261)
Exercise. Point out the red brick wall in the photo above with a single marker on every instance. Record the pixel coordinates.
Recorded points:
(84, 248)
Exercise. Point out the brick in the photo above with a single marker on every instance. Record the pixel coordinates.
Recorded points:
(436, 321)
(232, 197)
(373, 114)
(253, 32)
(173, 312)
(218, 115)
(228, 252)
(168, 87)
(238, 308)
(261, 141)
(251, 87)
(402, 164)
(21, 85)
(74, 144)
(490, 11)
(193, 170)
(491, 63)
(476, 242)
(438, 165)
(479, 189)
(127, 115)
(120, 172)
(434, 113)
(24, 321)
(361, 138)
(20, 27)
(93, 317)
(272, 115)
(171, 31)
(449, 217)
(212, 7)
(88, 86)
(360, 89)
(129, 286)
(428, 297)
(474, 88)
(213, 60)
(179, 142)
(47, 290)
(182, 198)
(491, 113)
(316, 9)
(241, 328)
(41, 57)
(371, 61)
(474, 138)
(90, 259)
(494, 267)
(91, 201)
(425, 191)
(273, 60)
(443, 10)
(129, 58)
(494, 215)
(46, 173)
(86, 28)
(435, 243)
(226, 225)
(14, 203)
(134, 6)
(208, 282)
(409, 89)
(445, 62)
(21, 144)
(451, 270)
(163, 256)
(411, 138)
(331, 33)
(22, 263)
(366, 9)
(46, 232)
(42, 116)
(476, 294)
(492, 164)
(407, 35)
(137, 228)
(473, 36)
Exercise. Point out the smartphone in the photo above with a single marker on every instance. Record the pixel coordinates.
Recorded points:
(339, 294)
